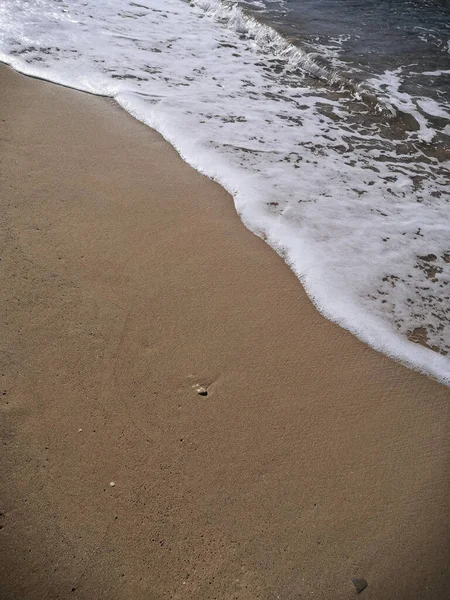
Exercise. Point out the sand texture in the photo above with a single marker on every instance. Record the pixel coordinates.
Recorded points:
(127, 284)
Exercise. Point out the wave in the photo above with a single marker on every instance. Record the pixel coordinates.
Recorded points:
(270, 41)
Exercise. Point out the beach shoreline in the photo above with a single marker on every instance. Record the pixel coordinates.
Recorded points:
(130, 285)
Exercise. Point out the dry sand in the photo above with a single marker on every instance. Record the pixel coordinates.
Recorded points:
(127, 279)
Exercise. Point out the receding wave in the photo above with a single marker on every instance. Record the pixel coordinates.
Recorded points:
(270, 41)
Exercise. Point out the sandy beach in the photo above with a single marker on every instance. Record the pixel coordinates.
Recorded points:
(129, 285)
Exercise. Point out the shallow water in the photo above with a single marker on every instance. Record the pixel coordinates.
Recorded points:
(342, 170)
(372, 40)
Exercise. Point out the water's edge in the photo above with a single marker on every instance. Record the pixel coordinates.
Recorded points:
(426, 361)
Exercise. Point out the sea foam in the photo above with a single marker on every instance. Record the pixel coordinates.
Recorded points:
(354, 201)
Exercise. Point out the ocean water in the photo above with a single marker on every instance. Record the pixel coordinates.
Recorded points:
(328, 121)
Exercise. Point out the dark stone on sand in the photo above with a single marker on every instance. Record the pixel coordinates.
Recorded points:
(203, 393)
(360, 584)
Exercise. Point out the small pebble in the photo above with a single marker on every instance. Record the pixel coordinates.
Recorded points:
(80, 430)
(360, 584)
(201, 391)
(112, 484)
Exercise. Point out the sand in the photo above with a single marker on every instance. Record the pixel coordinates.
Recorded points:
(127, 281)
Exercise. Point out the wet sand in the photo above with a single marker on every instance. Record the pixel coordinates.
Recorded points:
(128, 281)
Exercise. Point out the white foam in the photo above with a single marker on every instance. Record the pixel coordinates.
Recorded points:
(438, 73)
(431, 107)
(389, 83)
(351, 211)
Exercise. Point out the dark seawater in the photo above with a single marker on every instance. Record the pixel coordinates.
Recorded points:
(368, 40)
